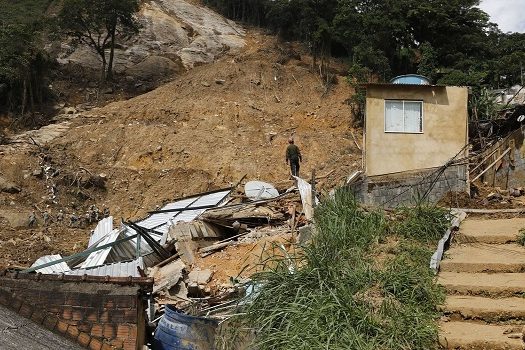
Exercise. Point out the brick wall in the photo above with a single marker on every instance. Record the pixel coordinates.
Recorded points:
(403, 188)
(96, 312)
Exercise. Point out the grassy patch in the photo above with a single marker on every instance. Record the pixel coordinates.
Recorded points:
(335, 294)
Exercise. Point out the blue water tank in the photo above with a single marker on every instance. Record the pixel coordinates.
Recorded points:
(178, 331)
(411, 79)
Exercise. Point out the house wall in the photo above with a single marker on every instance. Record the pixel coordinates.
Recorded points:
(97, 314)
(445, 130)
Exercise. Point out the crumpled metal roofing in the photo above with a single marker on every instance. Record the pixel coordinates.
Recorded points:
(161, 222)
(119, 269)
(104, 227)
(53, 269)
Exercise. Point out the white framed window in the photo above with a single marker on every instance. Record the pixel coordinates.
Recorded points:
(404, 116)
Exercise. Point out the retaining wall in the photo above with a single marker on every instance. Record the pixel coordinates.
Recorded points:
(98, 313)
(404, 188)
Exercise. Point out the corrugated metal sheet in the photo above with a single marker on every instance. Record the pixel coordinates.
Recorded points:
(104, 227)
(119, 269)
(162, 221)
(53, 269)
(99, 257)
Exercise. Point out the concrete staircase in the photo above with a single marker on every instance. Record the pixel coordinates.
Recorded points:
(484, 276)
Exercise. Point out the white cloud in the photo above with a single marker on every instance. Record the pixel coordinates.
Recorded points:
(508, 14)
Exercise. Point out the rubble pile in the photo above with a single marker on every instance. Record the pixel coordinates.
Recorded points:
(173, 243)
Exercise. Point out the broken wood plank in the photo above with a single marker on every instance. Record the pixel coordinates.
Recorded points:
(211, 249)
(491, 164)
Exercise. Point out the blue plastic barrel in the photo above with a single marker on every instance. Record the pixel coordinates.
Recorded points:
(177, 331)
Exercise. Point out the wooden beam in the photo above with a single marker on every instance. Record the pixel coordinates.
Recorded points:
(491, 165)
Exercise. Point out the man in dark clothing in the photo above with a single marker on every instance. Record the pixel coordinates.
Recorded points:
(293, 156)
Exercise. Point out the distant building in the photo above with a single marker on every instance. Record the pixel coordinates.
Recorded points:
(412, 129)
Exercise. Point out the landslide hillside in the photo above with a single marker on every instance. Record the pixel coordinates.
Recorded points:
(202, 131)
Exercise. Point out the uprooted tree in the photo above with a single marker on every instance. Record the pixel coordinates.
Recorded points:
(97, 23)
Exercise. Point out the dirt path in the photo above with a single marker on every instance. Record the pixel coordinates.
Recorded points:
(484, 275)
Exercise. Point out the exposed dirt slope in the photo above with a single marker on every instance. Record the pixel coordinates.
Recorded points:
(202, 131)
(485, 283)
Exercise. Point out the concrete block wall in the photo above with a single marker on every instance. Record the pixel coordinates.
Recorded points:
(404, 188)
(97, 314)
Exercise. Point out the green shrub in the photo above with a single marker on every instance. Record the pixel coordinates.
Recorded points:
(335, 294)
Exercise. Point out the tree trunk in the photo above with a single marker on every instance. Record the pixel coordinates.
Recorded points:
(103, 75)
(111, 54)
(24, 94)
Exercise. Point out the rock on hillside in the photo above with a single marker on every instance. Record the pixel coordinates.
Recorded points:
(176, 35)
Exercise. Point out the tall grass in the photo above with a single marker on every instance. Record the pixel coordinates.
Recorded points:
(335, 294)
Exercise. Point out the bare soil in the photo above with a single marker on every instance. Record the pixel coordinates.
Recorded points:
(203, 131)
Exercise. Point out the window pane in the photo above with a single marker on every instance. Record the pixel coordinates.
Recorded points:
(413, 120)
(393, 116)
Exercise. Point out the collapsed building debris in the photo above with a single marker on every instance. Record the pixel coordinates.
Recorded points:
(165, 246)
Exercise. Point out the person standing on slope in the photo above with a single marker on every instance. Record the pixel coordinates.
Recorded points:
(293, 156)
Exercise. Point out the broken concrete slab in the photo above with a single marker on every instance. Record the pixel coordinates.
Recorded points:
(167, 276)
(200, 276)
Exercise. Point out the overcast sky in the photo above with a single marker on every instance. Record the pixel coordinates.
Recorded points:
(508, 14)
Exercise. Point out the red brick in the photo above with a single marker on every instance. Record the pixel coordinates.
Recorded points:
(38, 316)
(130, 316)
(133, 331)
(84, 327)
(73, 332)
(96, 330)
(67, 313)
(95, 344)
(109, 331)
(84, 339)
(91, 315)
(26, 310)
(123, 331)
(117, 343)
(54, 309)
(106, 346)
(77, 314)
(50, 321)
(62, 326)
(130, 345)
(109, 304)
(104, 317)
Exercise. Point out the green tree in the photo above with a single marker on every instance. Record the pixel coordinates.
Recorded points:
(96, 23)
(23, 67)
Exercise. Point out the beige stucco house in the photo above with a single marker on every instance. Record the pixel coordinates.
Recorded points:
(413, 126)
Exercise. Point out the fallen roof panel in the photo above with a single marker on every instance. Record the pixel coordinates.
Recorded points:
(119, 269)
(104, 227)
(56, 268)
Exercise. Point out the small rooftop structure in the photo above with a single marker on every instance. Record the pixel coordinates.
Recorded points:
(410, 79)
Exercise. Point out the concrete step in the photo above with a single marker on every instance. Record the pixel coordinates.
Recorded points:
(499, 231)
(474, 336)
(497, 285)
(485, 309)
(481, 257)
